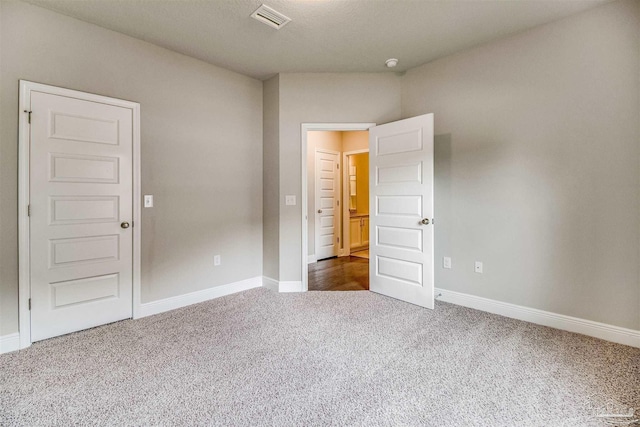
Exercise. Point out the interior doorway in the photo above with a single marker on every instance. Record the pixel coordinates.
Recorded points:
(338, 210)
(325, 205)
(79, 199)
(401, 222)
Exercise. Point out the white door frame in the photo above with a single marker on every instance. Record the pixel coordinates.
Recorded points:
(315, 202)
(306, 127)
(24, 134)
(346, 215)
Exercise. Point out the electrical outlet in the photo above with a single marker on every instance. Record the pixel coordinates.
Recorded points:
(148, 201)
(478, 267)
(217, 260)
(290, 200)
(446, 262)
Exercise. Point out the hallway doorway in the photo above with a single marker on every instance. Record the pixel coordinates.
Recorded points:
(337, 210)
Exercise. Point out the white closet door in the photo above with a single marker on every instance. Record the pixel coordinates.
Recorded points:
(81, 214)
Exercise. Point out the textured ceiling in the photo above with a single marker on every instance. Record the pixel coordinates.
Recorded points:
(324, 36)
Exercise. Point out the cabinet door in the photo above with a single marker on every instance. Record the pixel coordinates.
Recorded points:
(355, 233)
(365, 231)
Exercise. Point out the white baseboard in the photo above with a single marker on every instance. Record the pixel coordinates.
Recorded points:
(559, 321)
(295, 286)
(10, 342)
(160, 306)
(276, 286)
(311, 259)
(271, 284)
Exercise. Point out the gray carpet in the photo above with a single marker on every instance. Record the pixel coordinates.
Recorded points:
(316, 359)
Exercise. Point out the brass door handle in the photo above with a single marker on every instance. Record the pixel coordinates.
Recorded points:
(319, 210)
(124, 225)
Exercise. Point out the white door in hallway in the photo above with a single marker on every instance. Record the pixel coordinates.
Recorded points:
(81, 191)
(327, 209)
(401, 217)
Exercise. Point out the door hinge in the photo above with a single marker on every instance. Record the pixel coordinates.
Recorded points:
(337, 166)
(338, 240)
(29, 303)
(338, 202)
(28, 210)
(28, 112)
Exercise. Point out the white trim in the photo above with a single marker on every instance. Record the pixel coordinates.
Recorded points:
(304, 128)
(311, 259)
(276, 286)
(24, 268)
(559, 321)
(179, 301)
(137, 213)
(346, 214)
(24, 274)
(271, 284)
(291, 286)
(9, 342)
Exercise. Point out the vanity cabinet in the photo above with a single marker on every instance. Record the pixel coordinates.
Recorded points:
(359, 232)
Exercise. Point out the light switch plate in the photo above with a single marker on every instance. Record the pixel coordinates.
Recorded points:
(148, 201)
(446, 262)
(290, 200)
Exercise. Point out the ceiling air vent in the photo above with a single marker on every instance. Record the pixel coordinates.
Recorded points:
(270, 17)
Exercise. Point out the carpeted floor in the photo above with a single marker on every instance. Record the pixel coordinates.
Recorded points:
(318, 358)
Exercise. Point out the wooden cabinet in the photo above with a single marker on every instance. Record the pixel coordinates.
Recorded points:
(355, 233)
(365, 231)
(359, 233)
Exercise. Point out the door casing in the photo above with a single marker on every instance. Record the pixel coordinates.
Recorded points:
(306, 127)
(24, 136)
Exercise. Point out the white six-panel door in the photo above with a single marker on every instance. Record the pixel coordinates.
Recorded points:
(327, 209)
(80, 214)
(401, 217)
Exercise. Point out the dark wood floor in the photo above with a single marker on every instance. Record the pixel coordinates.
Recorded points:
(347, 273)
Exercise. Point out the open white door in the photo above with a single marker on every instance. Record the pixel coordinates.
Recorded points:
(401, 194)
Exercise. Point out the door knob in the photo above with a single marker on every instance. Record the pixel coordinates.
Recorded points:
(319, 210)
(425, 221)
(124, 225)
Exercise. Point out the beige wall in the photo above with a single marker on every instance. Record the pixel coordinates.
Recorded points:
(328, 140)
(271, 178)
(322, 98)
(355, 140)
(201, 148)
(537, 165)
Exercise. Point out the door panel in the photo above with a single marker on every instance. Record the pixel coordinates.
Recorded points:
(327, 195)
(401, 171)
(81, 169)
(80, 192)
(68, 210)
(84, 290)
